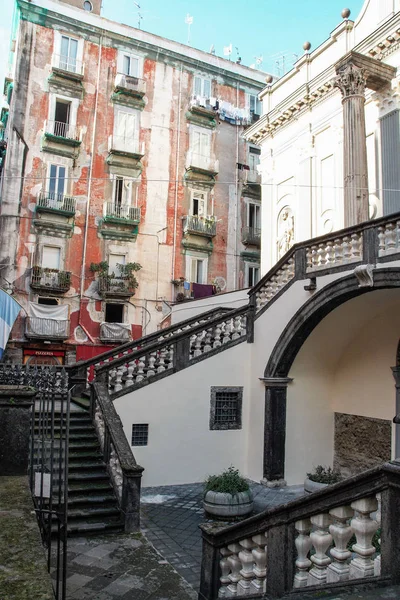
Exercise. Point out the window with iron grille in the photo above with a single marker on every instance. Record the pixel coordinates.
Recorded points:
(140, 434)
(226, 408)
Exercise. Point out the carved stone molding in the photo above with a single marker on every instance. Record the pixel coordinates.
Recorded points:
(365, 275)
(351, 81)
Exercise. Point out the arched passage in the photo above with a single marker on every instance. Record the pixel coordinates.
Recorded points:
(310, 351)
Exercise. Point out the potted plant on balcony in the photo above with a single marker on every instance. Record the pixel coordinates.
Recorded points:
(227, 496)
(320, 478)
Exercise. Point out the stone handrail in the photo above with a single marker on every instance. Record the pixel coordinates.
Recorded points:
(367, 243)
(305, 543)
(82, 371)
(122, 467)
(174, 352)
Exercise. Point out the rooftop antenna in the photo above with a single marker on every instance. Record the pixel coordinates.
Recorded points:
(189, 22)
(140, 17)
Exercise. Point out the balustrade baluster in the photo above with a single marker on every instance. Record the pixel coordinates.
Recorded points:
(161, 360)
(338, 250)
(151, 367)
(118, 379)
(225, 571)
(341, 532)
(291, 267)
(207, 341)
(140, 369)
(226, 330)
(330, 253)
(258, 300)
(377, 561)
(247, 571)
(197, 344)
(129, 373)
(346, 249)
(217, 336)
(303, 545)
(236, 328)
(260, 563)
(355, 243)
(235, 566)
(321, 540)
(314, 257)
(390, 237)
(321, 255)
(364, 529)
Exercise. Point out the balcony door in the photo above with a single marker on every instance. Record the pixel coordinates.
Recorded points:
(199, 204)
(254, 216)
(57, 183)
(201, 144)
(126, 131)
(51, 257)
(114, 260)
(68, 54)
(62, 115)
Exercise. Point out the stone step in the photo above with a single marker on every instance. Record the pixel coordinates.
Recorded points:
(81, 487)
(100, 497)
(92, 465)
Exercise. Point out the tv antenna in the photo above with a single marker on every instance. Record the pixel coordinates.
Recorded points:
(140, 16)
(189, 22)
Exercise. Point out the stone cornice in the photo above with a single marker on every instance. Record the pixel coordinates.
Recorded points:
(381, 43)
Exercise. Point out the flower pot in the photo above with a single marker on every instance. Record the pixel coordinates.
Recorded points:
(228, 506)
(313, 486)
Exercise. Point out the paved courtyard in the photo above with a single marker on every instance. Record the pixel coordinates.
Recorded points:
(171, 516)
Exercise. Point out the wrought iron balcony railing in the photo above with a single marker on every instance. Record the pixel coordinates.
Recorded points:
(251, 235)
(36, 327)
(206, 226)
(53, 202)
(194, 160)
(121, 212)
(67, 63)
(115, 286)
(115, 333)
(61, 130)
(50, 279)
(134, 85)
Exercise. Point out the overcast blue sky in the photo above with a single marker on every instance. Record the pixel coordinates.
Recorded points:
(271, 29)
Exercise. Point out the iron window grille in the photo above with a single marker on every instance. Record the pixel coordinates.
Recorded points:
(140, 434)
(226, 408)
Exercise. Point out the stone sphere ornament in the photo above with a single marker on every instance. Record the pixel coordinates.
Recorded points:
(346, 13)
(268, 79)
(307, 46)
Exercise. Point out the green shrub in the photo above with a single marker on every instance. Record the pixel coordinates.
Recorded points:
(228, 482)
(322, 474)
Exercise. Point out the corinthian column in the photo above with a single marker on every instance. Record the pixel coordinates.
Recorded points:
(351, 80)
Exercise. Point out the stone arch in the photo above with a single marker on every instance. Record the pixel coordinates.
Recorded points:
(286, 349)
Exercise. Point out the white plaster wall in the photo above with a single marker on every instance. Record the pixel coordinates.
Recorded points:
(187, 310)
(181, 447)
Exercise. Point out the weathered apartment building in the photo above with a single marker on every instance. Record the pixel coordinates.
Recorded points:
(124, 149)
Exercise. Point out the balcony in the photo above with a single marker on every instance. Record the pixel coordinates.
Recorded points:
(61, 138)
(130, 85)
(50, 280)
(51, 202)
(206, 226)
(125, 152)
(68, 65)
(201, 165)
(125, 144)
(253, 176)
(115, 287)
(251, 235)
(122, 214)
(46, 329)
(114, 333)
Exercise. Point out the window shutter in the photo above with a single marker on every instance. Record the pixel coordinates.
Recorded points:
(206, 88)
(205, 144)
(113, 261)
(125, 64)
(51, 257)
(61, 181)
(390, 140)
(197, 86)
(196, 142)
(53, 179)
(134, 70)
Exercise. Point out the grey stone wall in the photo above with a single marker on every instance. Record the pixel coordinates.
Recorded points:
(360, 443)
(15, 421)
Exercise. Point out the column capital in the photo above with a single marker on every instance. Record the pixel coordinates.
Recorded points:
(275, 382)
(351, 80)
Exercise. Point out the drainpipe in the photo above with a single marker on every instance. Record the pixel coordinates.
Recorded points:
(236, 196)
(89, 192)
(178, 143)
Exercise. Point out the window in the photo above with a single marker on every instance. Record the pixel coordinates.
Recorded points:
(140, 434)
(254, 158)
(113, 261)
(125, 131)
(198, 205)
(252, 274)
(254, 106)
(87, 6)
(118, 191)
(128, 64)
(68, 53)
(201, 143)
(48, 301)
(197, 271)
(51, 257)
(202, 87)
(114, 313)
(226, 408)
(122, 192)
(253, 215)
(62, 115)
(57, 182)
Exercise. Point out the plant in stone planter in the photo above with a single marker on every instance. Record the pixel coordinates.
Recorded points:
(320, 477)
(227, 496)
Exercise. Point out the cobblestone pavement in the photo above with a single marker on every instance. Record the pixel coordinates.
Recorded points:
(121, 566)
(171, 516)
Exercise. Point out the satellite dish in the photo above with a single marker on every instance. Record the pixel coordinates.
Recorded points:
(220, 283)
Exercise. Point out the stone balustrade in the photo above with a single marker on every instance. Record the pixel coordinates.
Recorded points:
(335, 252)
(324, 539)
(278, 280)
(389, 238)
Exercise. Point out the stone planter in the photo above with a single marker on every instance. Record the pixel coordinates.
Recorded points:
(313, 486)
(228, 506)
